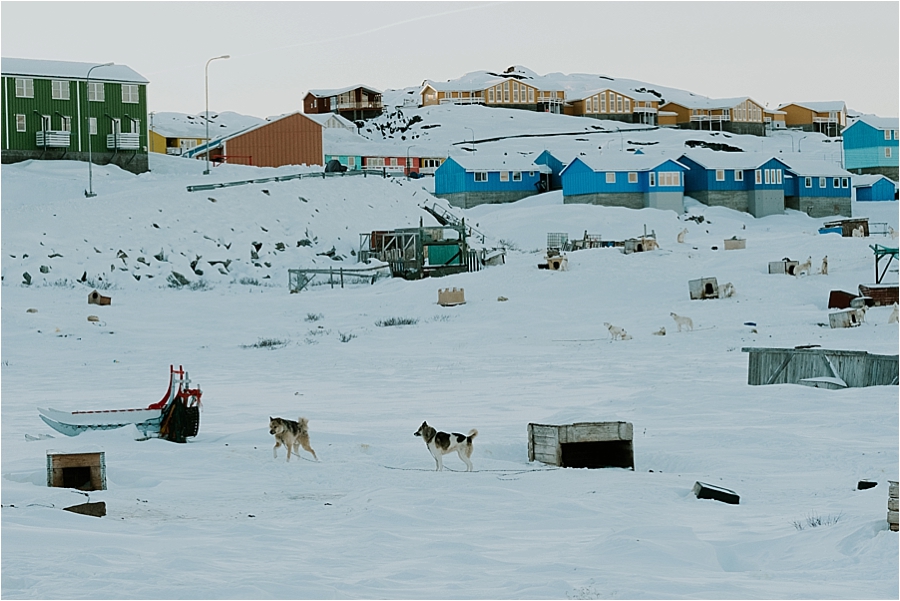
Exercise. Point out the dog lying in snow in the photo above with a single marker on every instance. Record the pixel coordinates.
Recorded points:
(291, 434)
(616, 332)
(441, 443)
(682, 321)
(660, 332)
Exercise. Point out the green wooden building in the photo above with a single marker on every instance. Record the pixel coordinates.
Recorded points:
(53, 111)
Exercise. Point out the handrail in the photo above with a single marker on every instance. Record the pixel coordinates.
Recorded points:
(284, 178)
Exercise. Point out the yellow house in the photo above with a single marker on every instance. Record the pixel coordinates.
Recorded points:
(176, 133)
(828, 117)
(491, 89)
(736, 115)
(163, 144)
(629, 107)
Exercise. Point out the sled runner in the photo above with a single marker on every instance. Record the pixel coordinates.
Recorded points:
(175, 417)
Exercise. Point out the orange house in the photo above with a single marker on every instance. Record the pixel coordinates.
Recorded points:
(828, 118)
(736, 115)
(292, 139)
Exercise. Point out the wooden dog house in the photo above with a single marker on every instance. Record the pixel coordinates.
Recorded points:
(451, 297)
(704, 288)
(585, 444)
(95, 298)
(784, 266)
(82, 471)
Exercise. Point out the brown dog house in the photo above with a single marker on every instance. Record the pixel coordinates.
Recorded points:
(585, 444)
(81, 471)
(95, 298)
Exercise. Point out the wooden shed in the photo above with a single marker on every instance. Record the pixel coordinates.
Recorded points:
(292, 139)
(83, 471)
(784, 266)
(704, 288)
(584, 444)
(848, 225)
(818, 367)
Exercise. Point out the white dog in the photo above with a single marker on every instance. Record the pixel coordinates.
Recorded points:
(859, 232)
(892, 318)
(682, 321)
(660, 332)
(681, 235)
(441, 443)
(803, 267)
(727, 290)
(616, 332)
(824, 265)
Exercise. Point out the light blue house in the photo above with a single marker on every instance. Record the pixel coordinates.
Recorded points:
(468, 181)
(625, 180)
(818, 188)
(744, 181)
(874, 188)
(870, 146)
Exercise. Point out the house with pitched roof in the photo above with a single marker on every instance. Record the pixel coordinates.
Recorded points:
(468, 181)
(752, 182)
(870, 146)
(512, 89)
(828, 118)
(352, 102)
(735, 115)
(51, 110)
(817, 188)
(873, 188)
(617, 105)
(625, 180)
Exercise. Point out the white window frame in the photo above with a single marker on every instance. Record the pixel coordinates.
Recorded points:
(515, 91)
(602, 102)
(530, 95)
(133, 95)
(504, 176)
(845, 182)
(24, 87)
(807, 182)
(627, 104)
(481, 176)
(136, 126)
(610, 177)
(59, 89)
(887, 132)
(738, 175)
(887, 152)
(96, 91)
(720, 175)
(836, 183)
(21, 123)
(46, 123)
(517, 176)
(92, 126)
(65, 123)
(759, 176)
(767, 176)
(653, 178)
(618, 103)
(632, 177)
(491, 95)
(823, 183)
(778, 176)
(506, 91)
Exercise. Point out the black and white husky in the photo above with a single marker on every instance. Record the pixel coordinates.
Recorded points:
(291, 434)
(441, 443)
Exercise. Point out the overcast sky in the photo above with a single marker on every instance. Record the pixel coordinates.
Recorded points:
(773, 52)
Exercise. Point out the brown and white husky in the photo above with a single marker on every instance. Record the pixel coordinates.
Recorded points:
(441, 443)
(291, 434)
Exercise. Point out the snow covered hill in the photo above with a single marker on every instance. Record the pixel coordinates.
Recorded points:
(218, 517)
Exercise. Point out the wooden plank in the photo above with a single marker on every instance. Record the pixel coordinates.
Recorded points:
(545, 458)
(893, 517)
(892, 489)
(530, 442)
(594, 432)
(75, 460)
(894, 504)
(545, 440)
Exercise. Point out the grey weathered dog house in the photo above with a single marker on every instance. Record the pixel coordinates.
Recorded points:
(585, 444)
(703, 288)
(820, 368)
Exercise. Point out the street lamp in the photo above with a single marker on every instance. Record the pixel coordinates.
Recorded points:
(206, 80)
(89, 193)
(473, 138)
(798, 142)
(407, 160)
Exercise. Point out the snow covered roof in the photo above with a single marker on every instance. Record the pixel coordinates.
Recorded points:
(819, 107)
(699, 102)
(217, 142)
(624, 162)
(479, 80)
(878, 122)
(814, 168)
(338, 91)
(642, 96)
(870, 179)
(180, 125)
(323, 118)
(69, 70)
(498, 163)
(713, 159)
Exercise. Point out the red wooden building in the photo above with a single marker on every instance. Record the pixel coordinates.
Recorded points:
(292, 139)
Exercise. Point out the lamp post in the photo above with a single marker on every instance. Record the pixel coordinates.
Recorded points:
(206, 81)
(407, 160)
(798, 143)
(473, 138)
(89, 193)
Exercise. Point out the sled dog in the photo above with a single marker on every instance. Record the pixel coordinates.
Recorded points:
(616, 332)
(441, 443)
(683, 322)
(291, 434)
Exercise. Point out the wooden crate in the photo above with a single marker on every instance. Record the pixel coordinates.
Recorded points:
(450, 298)
(82, 471)
(735, 243)
(584, 444)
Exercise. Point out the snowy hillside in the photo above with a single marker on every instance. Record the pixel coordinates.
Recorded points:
(218, 517)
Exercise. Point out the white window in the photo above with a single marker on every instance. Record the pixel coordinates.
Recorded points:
(768, 179)
(45, 123)
(504, 176)
(96, 92)
(517, 176)
(24, 88)
(845, 182)
(506, 91)
(669, 178)
(603, 102)
(66, 123)
(610, 177)
(515, 92)
(481, 176)
(530, 95)
(720, 175)
(59, 90)
(895, 134)
(836, 183)
(758, 176)
(887, 132)
(653, 178)
(887, 153)
(130, 93)
(491, 95)
(823, 183)
(618, 104)
(135, 126)
(727, 114)
(738, 175)
(92, 126)
(628, 105)
(20, 123)
(778, 176)
(807, 182)
(632, 177)
(351, 161)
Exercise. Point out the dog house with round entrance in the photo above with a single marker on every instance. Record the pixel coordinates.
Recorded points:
(703, 288)
(584, 444)
(82, 471)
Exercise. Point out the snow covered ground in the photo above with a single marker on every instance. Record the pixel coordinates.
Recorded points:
(218, 517)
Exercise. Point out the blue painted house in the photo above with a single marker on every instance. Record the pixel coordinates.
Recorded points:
(468, 181)
(874, 188)
(744, 181)
(556, 167)
(818, 188)
(870, 146)
(624, 180)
